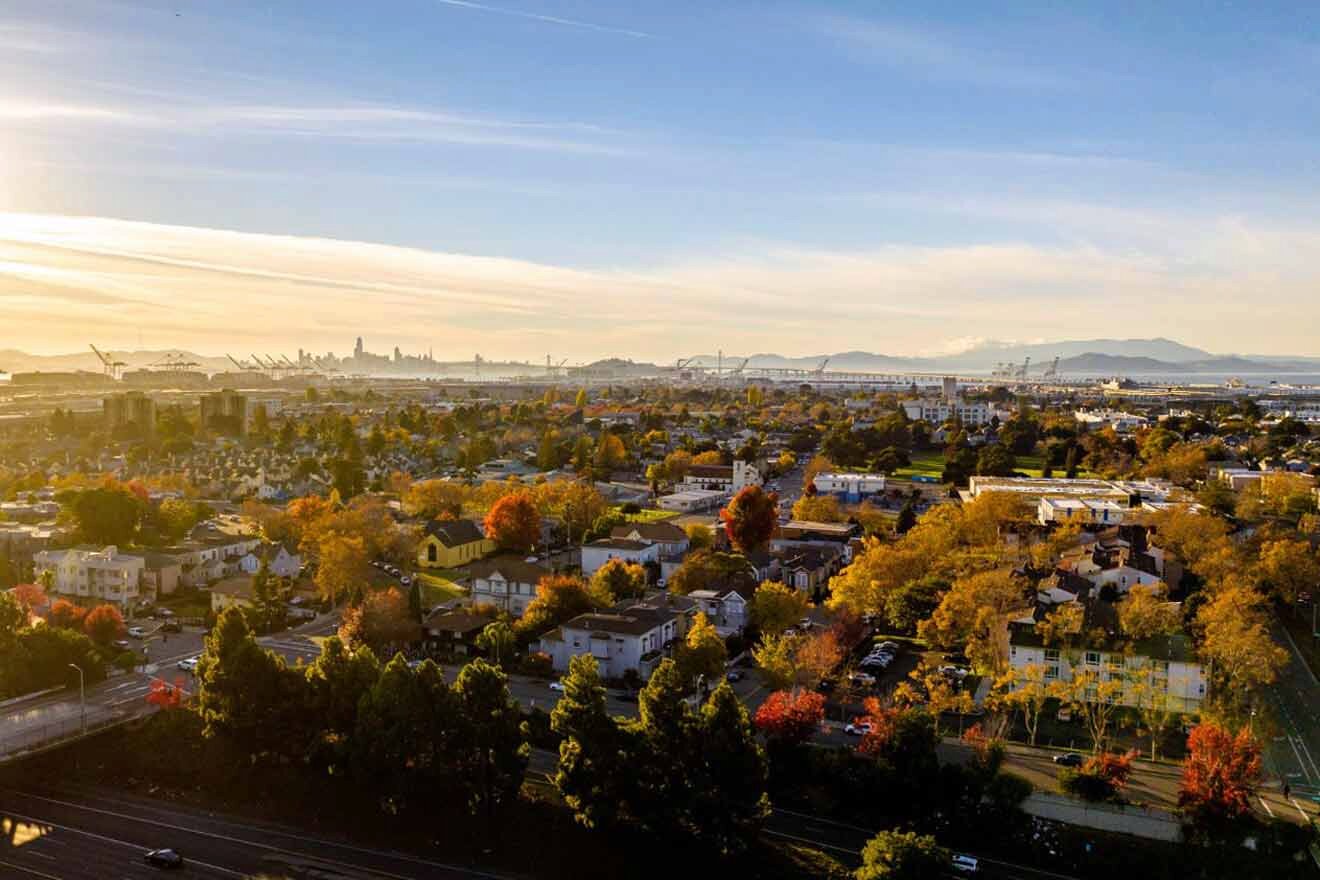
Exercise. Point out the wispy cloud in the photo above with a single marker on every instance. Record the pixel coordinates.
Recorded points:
(932, 55)
(113, 277)
(549, 19)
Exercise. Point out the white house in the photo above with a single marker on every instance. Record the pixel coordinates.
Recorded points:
(597, 553)
(279, 561)
(692, 500)
(508, 582)
(728, 610)
(1110, 418)
(851, 488)
(671, 539)
(631, 636)
(937, 411)
(1095, 512)
(104, 574)
(721, 477)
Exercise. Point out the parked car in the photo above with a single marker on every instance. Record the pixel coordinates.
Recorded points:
(122, 644)
(953, 672)
(861, 679)
(734, 675)
(188, 664)
(163, 858)
(858, 728)
(891, 647)
(1069, 759)
(137, 632)
(966, 864)
(557, 686)
(171, 626)
(406, 581)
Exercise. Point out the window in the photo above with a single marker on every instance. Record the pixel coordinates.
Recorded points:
(1092, 658)
(430, 553)
(1051, 673)
(1051, 655)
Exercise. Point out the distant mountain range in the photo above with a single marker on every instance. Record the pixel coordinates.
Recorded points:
(1085, 356)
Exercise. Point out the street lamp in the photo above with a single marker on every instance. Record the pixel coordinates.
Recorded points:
(82, 694)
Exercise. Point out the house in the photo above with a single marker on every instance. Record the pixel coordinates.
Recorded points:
(84, 572)
(454, 631)
(849, 488)
(808, 569)
(729, 479)
(597, 553)
(1121, 422)
(1088, 511)
(728, 610)
(451, 543)
(232, 592)
(802, 533)
(506, 581)
(632, 636)
(938, 410)
(161, 574)
(692, 500)
(672, 540)
(280, 561)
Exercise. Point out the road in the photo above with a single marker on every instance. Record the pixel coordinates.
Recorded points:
(67, 834)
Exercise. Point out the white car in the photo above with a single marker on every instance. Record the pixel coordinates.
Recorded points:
(188, 664)
(858, 728)
(861, 679)
(953, 672)
(557, 686)
(137, 632)
(966, 864)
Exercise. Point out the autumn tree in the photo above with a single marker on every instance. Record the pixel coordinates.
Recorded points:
(436, 499)
(1237, 643)
(381, 622)
(898, 855)
(65, 615)
(818, 508)
(750, 518)
(703, 653)
(791, 717)
(514, 522)
(1288, 568)
(927, 687)
(700, 537)
(103, 624)
(342, 566)
(617, 579)
(1096, 701)
(776, 607)
(1144, 613)
(559, 598)
(707, 570)
(1219, 775)
(973, 613)
(1025, 691)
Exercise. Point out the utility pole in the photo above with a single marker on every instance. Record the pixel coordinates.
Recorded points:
(82, 694)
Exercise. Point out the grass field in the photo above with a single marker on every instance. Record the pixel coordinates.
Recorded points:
(645, 516)
(931, 464)
(437, 589)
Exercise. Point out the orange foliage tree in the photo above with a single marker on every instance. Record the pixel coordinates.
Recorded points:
(1219, 774)
(790, 717)
(103, 624)
(749, 519)
(514, 523)
(65, 615)
(883, 721)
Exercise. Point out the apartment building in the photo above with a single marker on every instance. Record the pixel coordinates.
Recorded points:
(849, 488)
(86, 573)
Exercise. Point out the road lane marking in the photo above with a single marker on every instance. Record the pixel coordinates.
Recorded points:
(266, 846)
(1266, 806)
(102, 837)
(32, 871)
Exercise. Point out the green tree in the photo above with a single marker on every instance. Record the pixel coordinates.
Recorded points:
(595, 771)
(268, 603)
(729, 786)
(896, 855)
(776, 607)
(493, 754)
(617, 579)
(337, 680)
(498, 641)
(703, 654)
(107, 515)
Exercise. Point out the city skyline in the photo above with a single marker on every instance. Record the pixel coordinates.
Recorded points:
(526, 178)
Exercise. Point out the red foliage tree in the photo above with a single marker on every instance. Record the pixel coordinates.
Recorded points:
(1219, 775)
(514, 522)
(31, 597)
(66, 615)
(103, 624)
(165, 695)
(883, 722)
(750, 518)
(849, 629)
(791, 717)
(1112, 768)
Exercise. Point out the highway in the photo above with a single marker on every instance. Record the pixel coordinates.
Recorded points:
(83, 834)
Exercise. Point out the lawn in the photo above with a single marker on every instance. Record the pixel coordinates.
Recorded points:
(437, 589)
(924, 464)
(645, 516)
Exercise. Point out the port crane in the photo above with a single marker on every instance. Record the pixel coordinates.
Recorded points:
(112, 366)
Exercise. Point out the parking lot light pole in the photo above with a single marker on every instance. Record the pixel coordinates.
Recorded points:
(82, 694)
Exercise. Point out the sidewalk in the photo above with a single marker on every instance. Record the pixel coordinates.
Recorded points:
(1145, 822)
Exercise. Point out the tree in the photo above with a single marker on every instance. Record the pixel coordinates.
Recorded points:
(493, 752)
(1025, 691)
(703, 654)
(498, 641)
(818, 508)
(776, 607)
(30, 597)
(1237, 642)
(774, 656)
(895, 855)
(65, 615)
(581, 400)
(1096, 700)
(907, 518)
(730, 800)
(177, 517)
(559, 598)
(514, 522)
(342, 565)
(817, 655)
(995, 460)
(1102, 778)
(791, 718)
(1145, 613)
(434, 499)
(750, 518)
(927, 686)
(266, 599)
(107, 515)
(595, 771)
(707, 570)
(610, 453)
(103, 624)
(381, 622)
(1289, 567)
(617, 579)
(337, 680)
(974, 612)
(13, 617)
(1219, 775)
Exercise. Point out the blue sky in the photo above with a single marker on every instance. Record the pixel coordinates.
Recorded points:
(654, 179)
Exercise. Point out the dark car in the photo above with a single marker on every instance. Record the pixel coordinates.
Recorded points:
(171, 626)
(163, 858)
(1069, 759)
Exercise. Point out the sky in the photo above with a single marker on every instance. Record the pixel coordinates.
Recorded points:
(655, 180)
